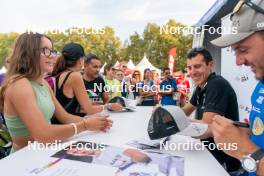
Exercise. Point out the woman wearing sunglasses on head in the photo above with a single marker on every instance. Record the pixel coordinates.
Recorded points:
(27, 100)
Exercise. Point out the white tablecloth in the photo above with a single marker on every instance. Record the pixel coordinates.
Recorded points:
(127, 126)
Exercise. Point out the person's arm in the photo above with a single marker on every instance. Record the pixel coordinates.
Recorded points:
(167, 92)
(191, 106)
(207, 119)
(225, 132)
(33, 118)
(207, 116)
(142, 93)
(105, 97)
(148, 94)
(188, 109)
(182, 92)
(260, 169)
(78, 87)
(94, 123)
(145, 94)
(188, 89)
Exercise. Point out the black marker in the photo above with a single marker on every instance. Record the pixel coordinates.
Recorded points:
(241, 124)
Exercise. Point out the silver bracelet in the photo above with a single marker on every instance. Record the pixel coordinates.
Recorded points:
(75, 128)
(109, 106)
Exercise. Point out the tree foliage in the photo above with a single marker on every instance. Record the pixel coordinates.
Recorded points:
(155, 43)
(6, 44)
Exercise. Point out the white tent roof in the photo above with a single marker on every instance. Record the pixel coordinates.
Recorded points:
(131, 65)
(144, 63)
(2, 70)
(102, 68)
(116, 64)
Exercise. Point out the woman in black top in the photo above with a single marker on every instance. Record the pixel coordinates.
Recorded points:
(70, 89)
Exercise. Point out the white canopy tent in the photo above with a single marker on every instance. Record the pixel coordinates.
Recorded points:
(2, 70)
(102, 68)
(143, 64)
(116, 64)
(131, 65)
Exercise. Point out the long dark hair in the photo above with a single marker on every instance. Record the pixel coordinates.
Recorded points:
(62, 64)
(24, 61)
(145, 71)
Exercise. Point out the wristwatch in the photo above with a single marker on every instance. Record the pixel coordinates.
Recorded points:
(250, 162)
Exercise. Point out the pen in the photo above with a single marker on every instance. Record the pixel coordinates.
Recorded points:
(166, 139)
(241, 124)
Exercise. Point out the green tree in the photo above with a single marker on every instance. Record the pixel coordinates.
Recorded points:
(133, 49)
(156, 41)
(6, 43)
(102, 42)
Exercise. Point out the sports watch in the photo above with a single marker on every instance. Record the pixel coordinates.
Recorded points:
(250, 162)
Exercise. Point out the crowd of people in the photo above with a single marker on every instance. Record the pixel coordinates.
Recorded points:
(148, 88)
(68, 102)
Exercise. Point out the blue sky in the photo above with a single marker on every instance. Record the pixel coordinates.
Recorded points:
(124, 16)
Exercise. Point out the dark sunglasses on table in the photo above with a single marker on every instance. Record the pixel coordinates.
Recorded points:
(48, 52)
(249, 4)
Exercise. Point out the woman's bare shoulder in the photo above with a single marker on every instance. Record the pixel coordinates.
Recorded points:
(19, 86)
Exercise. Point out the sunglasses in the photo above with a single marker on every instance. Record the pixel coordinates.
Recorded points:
(48, 52)
(249, 4)
(166, 73)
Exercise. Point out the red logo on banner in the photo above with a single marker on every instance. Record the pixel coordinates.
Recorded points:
(171, 59)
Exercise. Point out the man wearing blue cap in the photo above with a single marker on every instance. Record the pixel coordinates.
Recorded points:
(248, 45)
